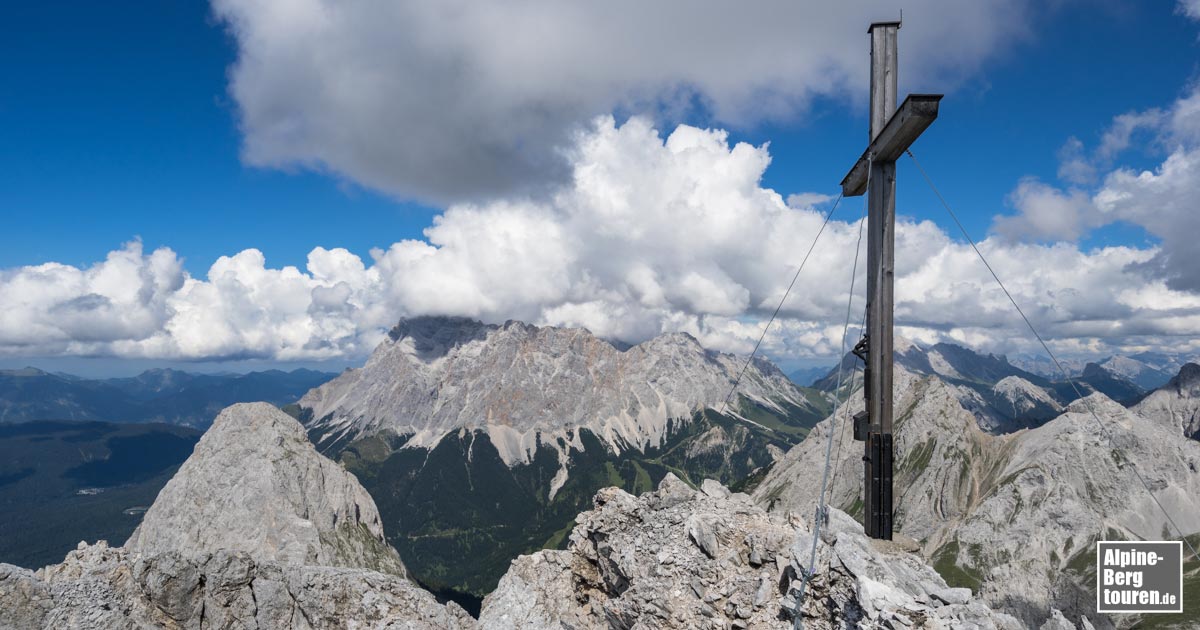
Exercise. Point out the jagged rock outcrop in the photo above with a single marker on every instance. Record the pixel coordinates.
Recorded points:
(280, 500)
(527, 385)
(102, 588)
(256, 530)
(680, 558)
(1007, 515)
(1176, 405)
(942, 458)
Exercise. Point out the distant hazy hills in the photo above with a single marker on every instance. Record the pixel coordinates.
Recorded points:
(1146, 370)
(160, 395)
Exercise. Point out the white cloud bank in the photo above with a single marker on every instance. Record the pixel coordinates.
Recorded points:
(648, 235)
(455, 100)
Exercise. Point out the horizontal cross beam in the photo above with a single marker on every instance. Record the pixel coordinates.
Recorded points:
(914, 115)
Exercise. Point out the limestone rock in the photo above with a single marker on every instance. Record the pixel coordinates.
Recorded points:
(436, 375)
(24, 599)
(952, 595)
(256, 531)
(635, 562)
(1057, 622)
(1176, 405)
(102, 588)
(1018, 397)
(255, 484)
(1009, 512)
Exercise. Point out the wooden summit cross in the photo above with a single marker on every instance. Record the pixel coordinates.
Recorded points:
(892, 131)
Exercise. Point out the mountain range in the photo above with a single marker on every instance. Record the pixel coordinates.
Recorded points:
(1014, 516)
(478, 443)
(1147, 370)
(158, 395)
(259, 531)
(485, 441)
(1006, 397)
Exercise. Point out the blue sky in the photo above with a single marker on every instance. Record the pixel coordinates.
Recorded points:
(120, 124)
(121, 127)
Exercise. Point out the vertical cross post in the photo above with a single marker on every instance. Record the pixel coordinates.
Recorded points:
(892, 130)
(881, 224)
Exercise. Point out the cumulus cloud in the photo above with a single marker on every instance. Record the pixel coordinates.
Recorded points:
(649, 234)
(1160, 201)
(456, 100)
(1190, 8)
(1047, 213)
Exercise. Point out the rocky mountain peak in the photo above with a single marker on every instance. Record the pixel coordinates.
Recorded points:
(1010, 515)
(255, 484)
(1188, 379)
(255, 531)
(527, 385)
(1176, 405)
(24, 372)
(435, 336)
(1024, 399)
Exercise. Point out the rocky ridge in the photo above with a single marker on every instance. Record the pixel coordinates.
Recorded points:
(1007, 514)
(102, 588)
(671, 558)
(527, 386)
(256, 530)
(680, 558)
(280, 500)
(1024, 399)
(1176, 405)
(1003, 397)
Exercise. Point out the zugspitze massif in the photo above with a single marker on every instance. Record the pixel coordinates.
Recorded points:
(487, 440)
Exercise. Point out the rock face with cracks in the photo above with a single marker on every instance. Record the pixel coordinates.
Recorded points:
(676, 557)
(98, 587)
(528, 386)
(1011, 516)
(256, 530)
(266, 492)
(680, 558)
(1176, 405)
